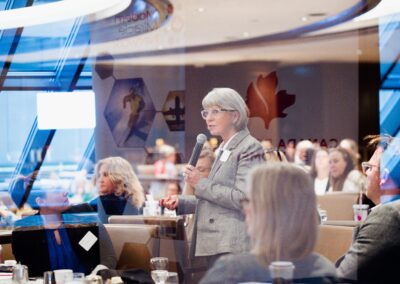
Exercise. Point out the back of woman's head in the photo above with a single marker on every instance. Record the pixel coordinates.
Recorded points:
(284, 218)
(123, 178)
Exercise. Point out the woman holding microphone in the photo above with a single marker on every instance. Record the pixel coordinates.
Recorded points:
(220, 226)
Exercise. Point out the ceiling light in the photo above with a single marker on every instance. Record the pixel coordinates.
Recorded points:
(246, 34)
(200, 10)
(316, 15)
(304, 19)
(60, 11)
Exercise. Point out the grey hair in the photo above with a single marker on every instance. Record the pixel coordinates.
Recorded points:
(229, 99)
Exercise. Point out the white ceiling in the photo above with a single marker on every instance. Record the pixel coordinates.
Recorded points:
(217, 32)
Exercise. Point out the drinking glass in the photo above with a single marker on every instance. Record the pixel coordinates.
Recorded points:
(20, 274)
(48, 277)
(159, 263)
(172, 278)
(159, 276)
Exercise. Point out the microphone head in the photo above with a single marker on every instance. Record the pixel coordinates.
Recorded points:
(201, 138)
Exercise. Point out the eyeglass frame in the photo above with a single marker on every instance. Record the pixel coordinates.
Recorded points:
(365, 166)
(204, 113)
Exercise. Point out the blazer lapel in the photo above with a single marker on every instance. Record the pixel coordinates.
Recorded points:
(232, 145)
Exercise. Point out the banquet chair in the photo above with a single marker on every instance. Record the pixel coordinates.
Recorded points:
(333, 241)
(171, 237)
(338, 205)
(134, 244)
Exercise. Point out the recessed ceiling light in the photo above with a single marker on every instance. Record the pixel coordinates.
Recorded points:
(304, 19)
(246, 34)
(316, 15)
(200, 10)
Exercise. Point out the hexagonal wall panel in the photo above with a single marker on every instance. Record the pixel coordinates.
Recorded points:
(129, 112)
(174, 110)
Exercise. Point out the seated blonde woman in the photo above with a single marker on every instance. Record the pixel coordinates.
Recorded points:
(120, 192)
(282, 223)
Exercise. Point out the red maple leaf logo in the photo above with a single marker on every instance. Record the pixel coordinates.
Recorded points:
(263, 101)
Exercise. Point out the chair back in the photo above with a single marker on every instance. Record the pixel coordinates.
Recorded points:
(171, 237)
(338, 205)
(134, 244)
(334, 241)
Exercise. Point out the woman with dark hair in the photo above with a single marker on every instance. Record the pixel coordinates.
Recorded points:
(343, 176)
(320, 171)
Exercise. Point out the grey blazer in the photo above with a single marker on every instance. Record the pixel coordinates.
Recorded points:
(219, 221)
(374, 255)
(245, 268)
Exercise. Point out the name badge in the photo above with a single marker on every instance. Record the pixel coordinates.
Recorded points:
(88, 241)
(225, 155)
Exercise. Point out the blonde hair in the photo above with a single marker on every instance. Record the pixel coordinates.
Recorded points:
(284, 222)
(123, 178)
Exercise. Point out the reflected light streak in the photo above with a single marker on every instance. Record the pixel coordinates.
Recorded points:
(60, 11)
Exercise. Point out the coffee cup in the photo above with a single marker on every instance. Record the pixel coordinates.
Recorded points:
(281, 272)
(63, 275)
(360, 212)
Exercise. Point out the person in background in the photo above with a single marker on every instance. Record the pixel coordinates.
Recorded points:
(173, 188)
(120, 192)
(352, 147)
(375, 252)
(220, 226)
(266, 144)
(303, 154)
(165, 167)
(290, 151)
(274, 155)
(343, 176)
(51, 239)
(320, 171)
(204, 164)
(289, 236)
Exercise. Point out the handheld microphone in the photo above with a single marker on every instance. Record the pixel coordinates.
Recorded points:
(200, 140)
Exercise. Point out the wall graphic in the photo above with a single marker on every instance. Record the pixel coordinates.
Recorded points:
(129, 112)
(265, 102)
(174, 110)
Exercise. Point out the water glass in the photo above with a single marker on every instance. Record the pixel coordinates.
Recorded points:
(159, 276)
(323, 215)
(159, 263)
(172, 278)
(20, 274)
(48, 277)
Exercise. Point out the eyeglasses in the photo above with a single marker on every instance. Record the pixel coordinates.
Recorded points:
(367, 166)
(213, 112)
